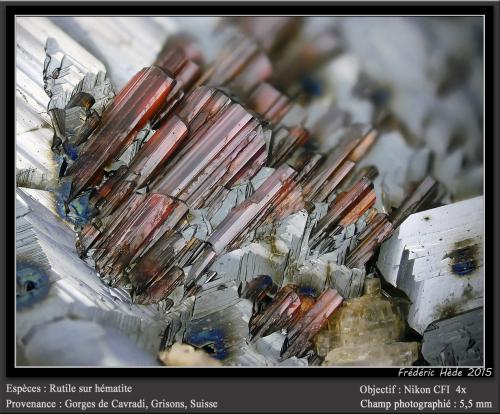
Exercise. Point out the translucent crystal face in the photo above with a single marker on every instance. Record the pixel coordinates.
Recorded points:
(371, 321)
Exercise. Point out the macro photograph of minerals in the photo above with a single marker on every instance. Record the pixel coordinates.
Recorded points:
(249, 191)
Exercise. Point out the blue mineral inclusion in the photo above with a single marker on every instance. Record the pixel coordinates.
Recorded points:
(32, 285)
(261, 283)
(77, 211)
(71, 150)
(463, 268)
(209, 337)
(311, 85)
(306, 290)
(463, 261)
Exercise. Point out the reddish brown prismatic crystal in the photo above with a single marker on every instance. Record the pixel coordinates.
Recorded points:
(424, 193)
(147, 162)
(299, 336)
(320, 178)
(258, 290)
(294, 138)
(183, 44)
(135, 231)
(242, 65)
(324, 179)
(343, 205)
(376, 232)
(107, 187)
(256, 71)
(158, 261)
(209, 142)
(275, 107)
(269, 102)
(158, 149)
(200, 106)
(92, 236)
(359, 209)
(218, 171)
(306, 303)
(276, 186)
(162, 287)
(141, 99)
(240, 219)
(277, 315)
(381, 227)
(182, 59)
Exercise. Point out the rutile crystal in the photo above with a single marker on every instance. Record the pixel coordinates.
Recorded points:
(322, 180)
(243, 218)
(346, 209)
(382, 226)
(139, 100)
(241, 57)
(277, 315)
(299, 336)
(151, 157)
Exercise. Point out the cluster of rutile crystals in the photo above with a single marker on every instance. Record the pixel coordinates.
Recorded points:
(293, 310)
(200, 131)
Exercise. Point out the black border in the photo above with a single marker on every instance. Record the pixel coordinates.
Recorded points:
(488, 9)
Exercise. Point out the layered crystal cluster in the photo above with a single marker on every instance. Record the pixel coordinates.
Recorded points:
(367, 331)
(199, 187)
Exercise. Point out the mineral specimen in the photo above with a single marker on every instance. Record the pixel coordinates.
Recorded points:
(207, 189)
(435, 258)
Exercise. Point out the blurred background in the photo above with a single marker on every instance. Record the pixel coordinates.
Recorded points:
(419, 80)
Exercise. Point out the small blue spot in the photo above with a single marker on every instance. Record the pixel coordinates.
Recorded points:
(70, 150)
(382, 96)
(258, 285)
(64, 190)
(311, 85)
(463, 260)
(79, 210)
(307, 290)
(463, 268)
(32, 285)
